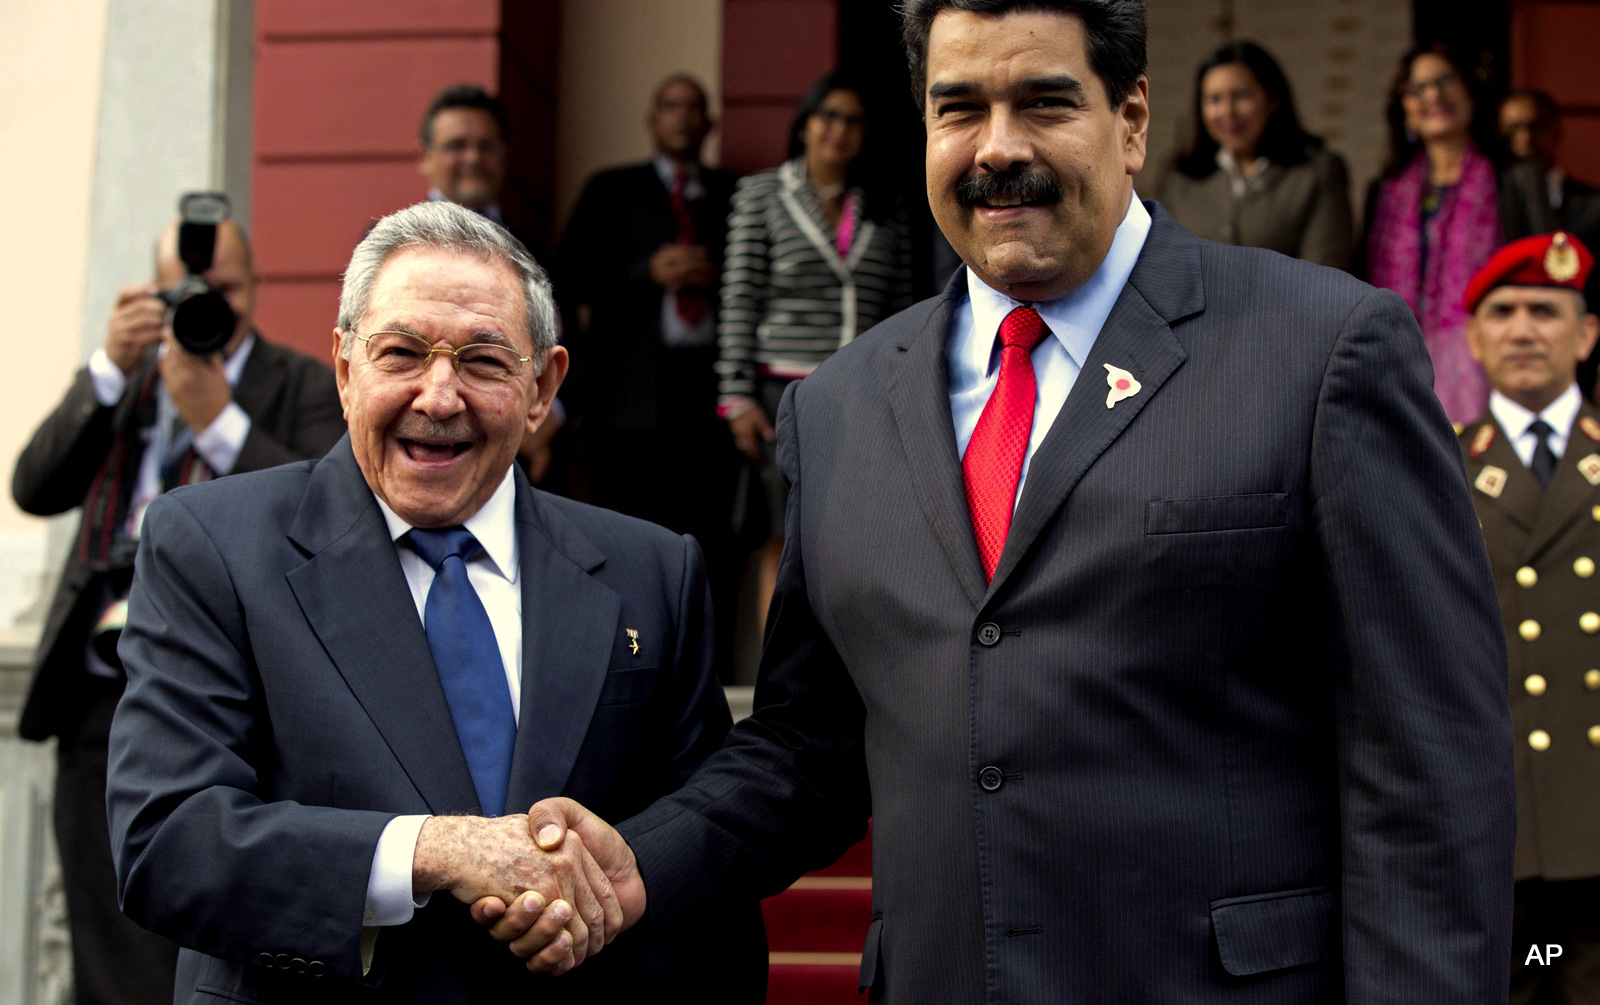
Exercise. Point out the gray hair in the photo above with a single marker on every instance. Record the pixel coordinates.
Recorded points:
(447, 226)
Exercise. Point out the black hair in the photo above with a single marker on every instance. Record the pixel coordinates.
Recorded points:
(1543, 104)
(1284, 141)
(681, 77)
(1403, 148)
(866, 171)
(463, 96)
(1114, 30)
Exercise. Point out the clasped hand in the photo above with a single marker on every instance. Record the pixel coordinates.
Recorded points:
(557, 884)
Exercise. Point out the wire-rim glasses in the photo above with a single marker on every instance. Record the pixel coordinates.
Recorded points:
(402, 354)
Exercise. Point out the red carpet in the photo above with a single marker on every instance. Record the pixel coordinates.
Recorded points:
(815, 930)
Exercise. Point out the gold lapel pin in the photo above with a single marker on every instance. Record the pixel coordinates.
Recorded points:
(633, 640)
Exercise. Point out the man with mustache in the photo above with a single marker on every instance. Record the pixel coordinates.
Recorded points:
(348, 679)
(1130, 586)
(1534, 463)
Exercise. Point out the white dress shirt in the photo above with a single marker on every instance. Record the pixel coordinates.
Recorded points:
(495, 572)
(1515, 420)
(218, 444)
(675, 331)
(972, 353)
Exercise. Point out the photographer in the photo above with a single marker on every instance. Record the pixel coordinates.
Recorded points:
(176, 396)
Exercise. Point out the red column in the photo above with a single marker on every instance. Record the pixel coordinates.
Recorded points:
(772, 51)
(1552, 49)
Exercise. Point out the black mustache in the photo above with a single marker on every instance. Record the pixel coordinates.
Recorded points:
(1029, 186)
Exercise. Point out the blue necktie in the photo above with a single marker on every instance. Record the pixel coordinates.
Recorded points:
(468, 660)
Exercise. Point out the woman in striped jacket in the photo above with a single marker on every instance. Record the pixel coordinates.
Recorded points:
(816, 255)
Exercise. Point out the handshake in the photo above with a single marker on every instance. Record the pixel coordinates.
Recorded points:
(557, 884)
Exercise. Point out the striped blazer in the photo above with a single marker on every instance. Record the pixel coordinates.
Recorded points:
(788, 299)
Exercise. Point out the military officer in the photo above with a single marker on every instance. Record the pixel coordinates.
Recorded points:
(1534, 464)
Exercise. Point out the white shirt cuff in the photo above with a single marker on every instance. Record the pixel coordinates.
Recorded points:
(390, 900)
(220, 442)
(106, 378)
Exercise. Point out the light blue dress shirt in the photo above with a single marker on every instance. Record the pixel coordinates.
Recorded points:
(972, 353)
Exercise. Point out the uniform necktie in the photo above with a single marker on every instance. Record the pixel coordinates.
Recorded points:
(691, 306)
(993, 462)
(468, 660)
(1544, 459)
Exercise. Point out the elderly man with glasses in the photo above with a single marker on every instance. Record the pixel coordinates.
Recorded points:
(342, 673)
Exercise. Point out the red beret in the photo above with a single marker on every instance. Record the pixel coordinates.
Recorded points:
(1557, 259)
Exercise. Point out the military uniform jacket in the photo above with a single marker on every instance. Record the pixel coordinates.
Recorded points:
(1543, 546)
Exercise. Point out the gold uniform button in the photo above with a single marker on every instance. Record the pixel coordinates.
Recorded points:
(1595, 513)
(1591, 680)
(1594, 736)
(1527, 578)
(1529, 630)
(1584, 567)
(1589, 622)
(1535, 684)
(1539, 740)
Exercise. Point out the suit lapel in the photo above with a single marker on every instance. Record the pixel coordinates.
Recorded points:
(261, 380)
(919, 394)
(1521, 498)
(569, 631)
(1569, 494)
(1164, 287)
(355, 597)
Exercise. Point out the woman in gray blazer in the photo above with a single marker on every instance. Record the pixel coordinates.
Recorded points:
(1254, 176)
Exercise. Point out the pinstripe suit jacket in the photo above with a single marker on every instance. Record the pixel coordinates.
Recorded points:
(1228, 725)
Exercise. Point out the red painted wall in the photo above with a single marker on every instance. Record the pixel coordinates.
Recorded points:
(1553, 45)
(340, 89)
(772, 51)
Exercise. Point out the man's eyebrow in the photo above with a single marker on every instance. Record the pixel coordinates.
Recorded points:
(488, 336)
(403, 328)
(951, 89)
(1030, 85)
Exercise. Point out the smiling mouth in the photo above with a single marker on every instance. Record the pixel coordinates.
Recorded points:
(426, 452)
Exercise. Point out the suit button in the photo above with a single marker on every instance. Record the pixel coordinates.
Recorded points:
(1584, 567)
(1535, 684)
(1529, 630)
(1527, 578)
(989, 633)
(1589, 622)
(266, 960)
(298, 964)
(283, 961)
(1539, 740)
(990, 778)
(1591, 680)
(317, 968)
(1594, 736)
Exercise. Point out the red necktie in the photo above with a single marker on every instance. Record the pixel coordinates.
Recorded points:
(993, 462)
(691, 306)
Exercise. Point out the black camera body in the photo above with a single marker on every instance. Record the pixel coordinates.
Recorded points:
(200, 317)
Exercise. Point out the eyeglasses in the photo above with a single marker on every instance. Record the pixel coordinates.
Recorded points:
(1440, 83)
(401, 354)
(830, 117)
(460, 145)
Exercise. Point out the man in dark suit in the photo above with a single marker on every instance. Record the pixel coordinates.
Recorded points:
(643, 254)
(143, 416)
(1534, 463)
(342, 673)
(1132, 586)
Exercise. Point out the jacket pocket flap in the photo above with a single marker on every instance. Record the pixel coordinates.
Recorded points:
(1188, 516)
(624, 686)
(1270, 931)
(869, 955)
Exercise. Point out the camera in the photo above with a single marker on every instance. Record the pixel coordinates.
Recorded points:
(200, 317)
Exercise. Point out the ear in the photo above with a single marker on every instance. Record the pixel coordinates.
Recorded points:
(341, 370)
(546, 385)
(1588, 332)
(1135, 121)
(1474, 338)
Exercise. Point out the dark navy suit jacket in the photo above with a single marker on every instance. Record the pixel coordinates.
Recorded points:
(1228, 725)
(282, 706)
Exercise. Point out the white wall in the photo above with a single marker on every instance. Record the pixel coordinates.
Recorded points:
(50, 66)
(613, 53)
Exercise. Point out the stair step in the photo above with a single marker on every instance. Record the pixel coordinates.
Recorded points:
(831, 980)
(813, 920)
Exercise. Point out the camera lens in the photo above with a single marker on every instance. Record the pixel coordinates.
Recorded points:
(203, 322)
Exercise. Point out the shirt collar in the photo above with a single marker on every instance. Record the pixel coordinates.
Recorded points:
(1075, 319)
(494, 525)
(492, 211)
(1514, 418)
(667, 171)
